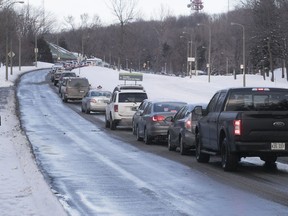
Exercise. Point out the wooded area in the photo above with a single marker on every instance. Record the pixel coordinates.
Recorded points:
(163, 44)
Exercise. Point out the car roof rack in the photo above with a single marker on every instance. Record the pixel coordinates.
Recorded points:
(128, 87)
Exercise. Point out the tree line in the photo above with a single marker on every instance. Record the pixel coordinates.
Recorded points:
(163, 44)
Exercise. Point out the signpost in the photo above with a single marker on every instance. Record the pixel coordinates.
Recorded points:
(11, 55)
(131, 77)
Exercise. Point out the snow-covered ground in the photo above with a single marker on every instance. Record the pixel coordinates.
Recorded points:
(23, 190)
(192, 90)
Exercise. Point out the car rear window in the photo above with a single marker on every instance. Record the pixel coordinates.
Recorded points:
(69, 75)
(78, 83)
(257, 101)
(134, 97)
(168, 106)
(98, 94)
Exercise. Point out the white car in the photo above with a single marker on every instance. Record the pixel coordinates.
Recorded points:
(123, 104)
(95, 101)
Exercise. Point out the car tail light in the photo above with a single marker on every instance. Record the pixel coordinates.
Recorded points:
(157, 118)
(93, 101)
(188, 124)
(115, 108)
(237, 127)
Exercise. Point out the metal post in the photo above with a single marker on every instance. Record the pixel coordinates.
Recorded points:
(196, 59)
(209, 49)
(209, 54)
(11, 58)
(244, 66)
(6, 57)
(36, 50)
(20, 53)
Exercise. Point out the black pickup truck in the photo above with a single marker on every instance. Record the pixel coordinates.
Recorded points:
(243, 122)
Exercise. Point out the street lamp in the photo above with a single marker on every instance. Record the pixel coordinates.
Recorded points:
(36, 49)
(209, 49)
(242, 66)
(7, 41)
(190, 58)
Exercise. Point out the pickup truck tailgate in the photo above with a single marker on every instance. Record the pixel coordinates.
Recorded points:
(264, 126)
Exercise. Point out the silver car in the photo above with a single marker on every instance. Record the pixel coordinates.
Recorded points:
(95, 101)
(150, 123)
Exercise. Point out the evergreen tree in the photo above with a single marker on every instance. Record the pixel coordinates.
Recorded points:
(44, 53)
(267, 39)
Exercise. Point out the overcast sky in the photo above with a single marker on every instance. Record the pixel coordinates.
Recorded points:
(147, 8)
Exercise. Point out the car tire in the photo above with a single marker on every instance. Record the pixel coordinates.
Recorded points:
(269, 159)
(82, 109)
(87, 110)
(107, 123)
(112, 124)
(229, 161)
(171, 147)
(138, 134)
(134, 132)
(200, 156)
(147, 138)
(64, 99)
(183, 150)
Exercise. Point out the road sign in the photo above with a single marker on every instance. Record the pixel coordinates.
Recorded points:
(11, 54)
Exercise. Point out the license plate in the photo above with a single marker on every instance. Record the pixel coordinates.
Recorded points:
(82, 91)
(277, 146)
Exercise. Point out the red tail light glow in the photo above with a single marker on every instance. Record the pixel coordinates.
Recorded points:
(188, 124)
(237, 127)
(157, 118)
(93, 101)
(115, 108)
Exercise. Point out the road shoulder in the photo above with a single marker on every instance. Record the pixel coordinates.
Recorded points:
(23, 189)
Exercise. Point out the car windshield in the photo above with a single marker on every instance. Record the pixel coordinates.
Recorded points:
(255, 101)
(168, 106)
(134, 97)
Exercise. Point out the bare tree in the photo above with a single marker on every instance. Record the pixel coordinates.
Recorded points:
(70, 22)
(125, 11)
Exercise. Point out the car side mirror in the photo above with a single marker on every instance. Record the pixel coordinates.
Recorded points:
(169, 119)
(198, 111)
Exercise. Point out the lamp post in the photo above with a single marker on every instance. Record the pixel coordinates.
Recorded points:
(242, 66)
(36, 49)
(7, 41)
(20, 44)
(190, 58)
(209, 49)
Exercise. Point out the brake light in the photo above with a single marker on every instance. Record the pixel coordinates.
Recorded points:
(188, 124)
(237, 127)
(157, 118)
(260, 89)
(115, 108)
(93, 101)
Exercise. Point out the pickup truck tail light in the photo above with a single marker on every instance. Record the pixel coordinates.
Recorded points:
(237, 127)
(115, 108)
(157, 118)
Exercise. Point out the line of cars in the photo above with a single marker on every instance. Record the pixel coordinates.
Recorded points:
(231, 126)
(72, 87)
(152, 120)
(188, 126)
